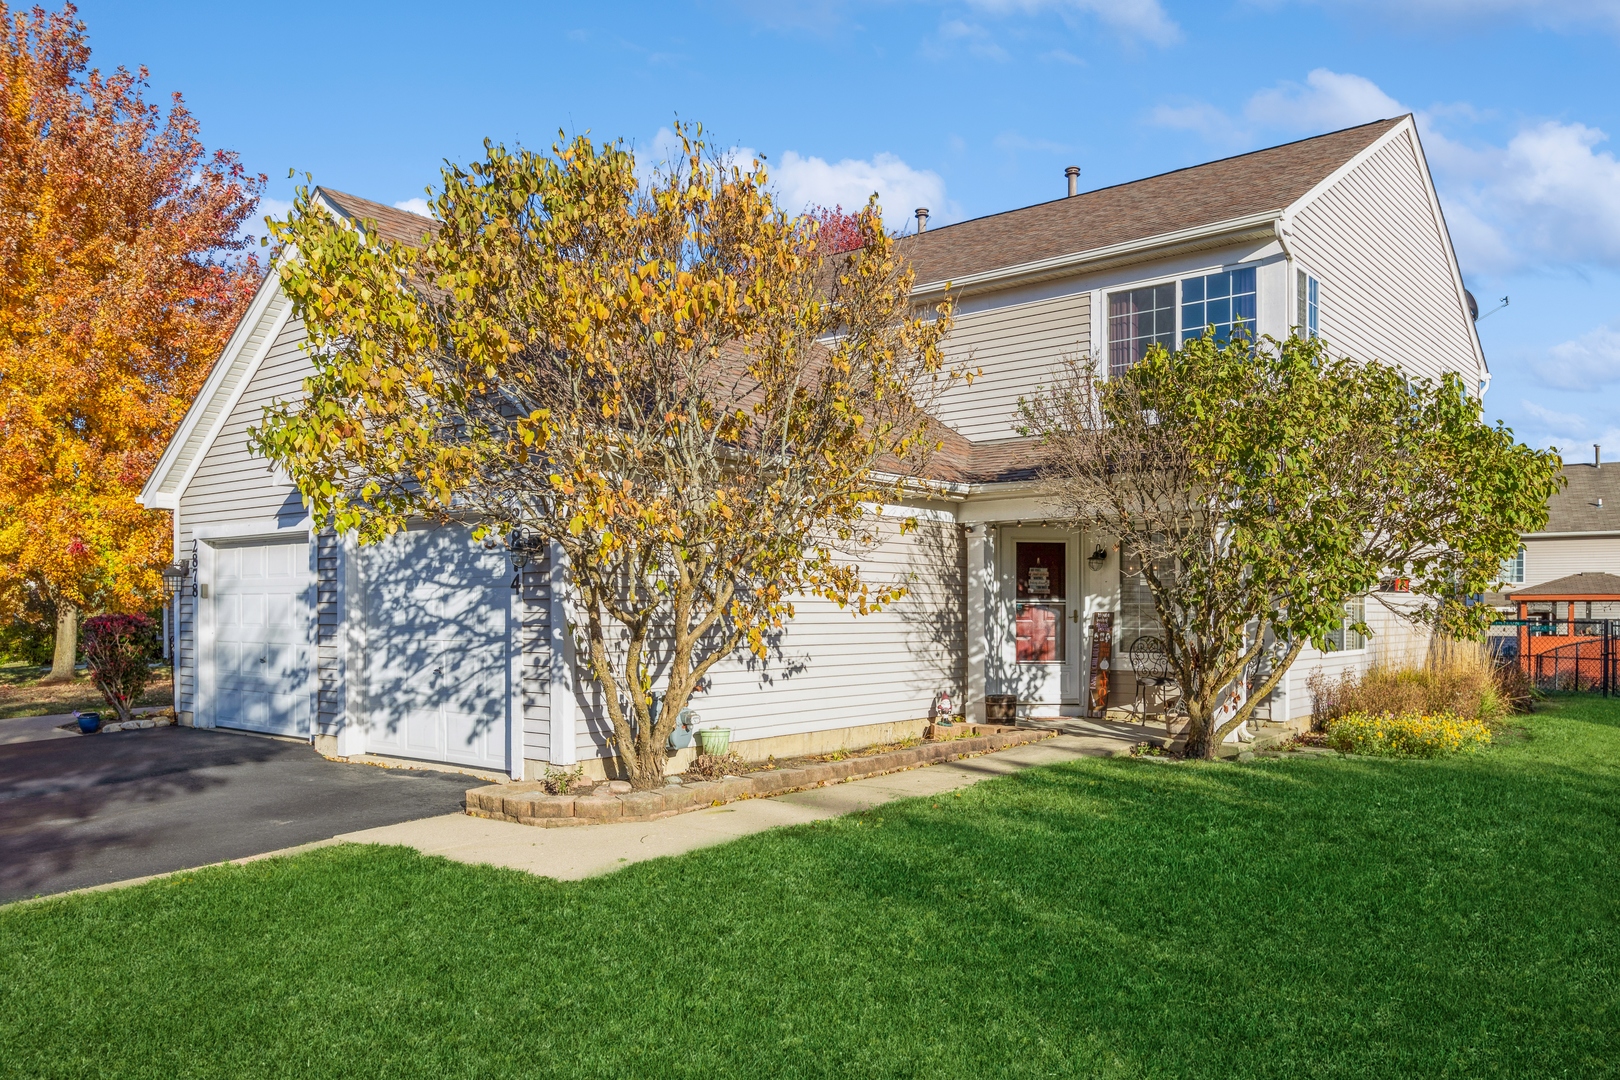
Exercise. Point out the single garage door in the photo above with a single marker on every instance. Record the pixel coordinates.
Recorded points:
(261, 655)
(437, 607)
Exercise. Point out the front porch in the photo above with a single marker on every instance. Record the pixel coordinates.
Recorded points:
(1061, 626)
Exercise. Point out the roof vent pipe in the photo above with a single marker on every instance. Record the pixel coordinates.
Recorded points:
(922, 219)
(1073, 173)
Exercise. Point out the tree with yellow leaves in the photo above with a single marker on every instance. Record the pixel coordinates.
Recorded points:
(674, 382)
(121, 276)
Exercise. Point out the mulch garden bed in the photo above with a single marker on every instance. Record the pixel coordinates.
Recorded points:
(606, 801)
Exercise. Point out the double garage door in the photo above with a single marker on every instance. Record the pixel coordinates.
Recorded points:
(436, 609)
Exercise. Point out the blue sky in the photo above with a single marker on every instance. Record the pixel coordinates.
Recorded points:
(973, 107)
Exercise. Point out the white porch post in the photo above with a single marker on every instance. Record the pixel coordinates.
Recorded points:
(978, 581)
(561, 739)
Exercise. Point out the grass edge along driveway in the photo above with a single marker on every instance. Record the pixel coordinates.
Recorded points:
(1118, 918)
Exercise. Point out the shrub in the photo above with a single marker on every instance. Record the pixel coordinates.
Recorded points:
(1458, 678)
(116, 649)
(1406, 735)
(715, 766)
(562, 781)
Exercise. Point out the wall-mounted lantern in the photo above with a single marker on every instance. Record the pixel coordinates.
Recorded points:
(1098, 559)
(174, 576)
(521, 545)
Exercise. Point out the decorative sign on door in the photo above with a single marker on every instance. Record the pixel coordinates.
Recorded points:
(1041, 584)
(1102, 651)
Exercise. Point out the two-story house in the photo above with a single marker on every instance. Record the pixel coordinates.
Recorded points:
(418, 648)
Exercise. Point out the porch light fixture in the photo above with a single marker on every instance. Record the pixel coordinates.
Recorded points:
(174, 576)
(1098, 559)
(521, 546)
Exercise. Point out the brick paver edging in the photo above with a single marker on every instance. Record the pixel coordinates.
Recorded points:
(528, 803)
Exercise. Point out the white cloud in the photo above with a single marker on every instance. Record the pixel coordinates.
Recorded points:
(1327, 101)
(803, 181)
(1549, 196)
(276, 208)
(970, 36)
(1572, 422)
(1205, 119)
(417, 205)
(1584, 363)
(1144, 19)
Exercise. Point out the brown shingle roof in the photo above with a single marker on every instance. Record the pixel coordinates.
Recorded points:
(1222, 190)
(392, 224)
(997, 461)
(1589, 584)
(1576, 509)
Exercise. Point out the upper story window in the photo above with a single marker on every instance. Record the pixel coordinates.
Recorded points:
(1513, 569)
(1225, 301)
(1137, 320)
(1308, 298)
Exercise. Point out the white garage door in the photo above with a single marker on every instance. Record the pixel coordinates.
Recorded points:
(436, 638)
(261, 656)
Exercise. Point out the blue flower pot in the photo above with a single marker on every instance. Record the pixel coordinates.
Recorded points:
(89, 722)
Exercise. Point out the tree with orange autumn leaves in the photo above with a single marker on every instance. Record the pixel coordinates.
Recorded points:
(122, 273)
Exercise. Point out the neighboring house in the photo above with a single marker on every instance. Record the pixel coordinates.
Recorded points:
(1582, 534)
(418, 648)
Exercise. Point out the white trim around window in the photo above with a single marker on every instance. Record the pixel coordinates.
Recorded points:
(1145, 318)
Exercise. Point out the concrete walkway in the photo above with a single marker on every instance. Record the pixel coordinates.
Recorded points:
(23, 729)
(587, 850)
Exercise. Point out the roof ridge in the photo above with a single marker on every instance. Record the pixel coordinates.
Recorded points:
(1168, 172)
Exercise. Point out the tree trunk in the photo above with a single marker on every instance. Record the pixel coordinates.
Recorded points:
(1200, 731)
(67, 644)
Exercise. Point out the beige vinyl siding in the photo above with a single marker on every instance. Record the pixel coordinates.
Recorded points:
(232, 484)
(1017, 347)
(1387, 290)
(1549, 560)
(832, 669)
(227, 388)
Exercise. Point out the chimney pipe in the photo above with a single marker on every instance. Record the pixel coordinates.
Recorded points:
(1597, 456)
(922, 219)
(1073, 173)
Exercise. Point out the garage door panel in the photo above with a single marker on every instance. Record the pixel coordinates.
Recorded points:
(436, 645)
(261, 657)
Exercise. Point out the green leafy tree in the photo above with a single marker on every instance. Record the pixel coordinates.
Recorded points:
(1260, 487)
(674, 382)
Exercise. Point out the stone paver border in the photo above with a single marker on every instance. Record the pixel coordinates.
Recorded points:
(528, 803)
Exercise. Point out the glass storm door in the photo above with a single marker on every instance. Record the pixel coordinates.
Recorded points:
(1045, 605)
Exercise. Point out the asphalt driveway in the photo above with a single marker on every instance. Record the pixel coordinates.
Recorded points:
(89, 810)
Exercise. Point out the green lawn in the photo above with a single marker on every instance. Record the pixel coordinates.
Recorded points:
(1317, 917)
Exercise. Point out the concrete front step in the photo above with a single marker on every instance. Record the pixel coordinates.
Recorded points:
(529, 804)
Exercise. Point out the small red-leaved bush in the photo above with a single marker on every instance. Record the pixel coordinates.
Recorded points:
(116, 648)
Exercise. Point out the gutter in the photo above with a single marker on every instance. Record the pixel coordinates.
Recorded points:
(1259, 226)
(1603, 534)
